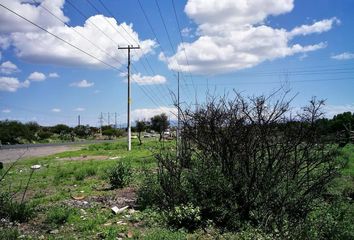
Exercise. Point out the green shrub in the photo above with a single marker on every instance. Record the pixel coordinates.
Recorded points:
(330, 221)
(184, 216)
(119, 175)
(149, 193)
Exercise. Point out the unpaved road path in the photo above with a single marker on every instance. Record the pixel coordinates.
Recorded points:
(10, 155)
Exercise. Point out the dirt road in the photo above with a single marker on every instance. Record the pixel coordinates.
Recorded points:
(9, 155)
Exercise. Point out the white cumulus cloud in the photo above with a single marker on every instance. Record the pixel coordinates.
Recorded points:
(53, 75)
(12, 23)
(317, 27)
(10, 84)
(82, 84)
(187, 32)
(147, 113)
(56, 110)
(37, 77)
(233, 36)
(80, 109)
(148, 80)
(34, 45)
(8, 68)
(343, 56)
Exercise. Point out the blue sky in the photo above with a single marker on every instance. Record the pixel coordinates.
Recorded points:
(251, 46)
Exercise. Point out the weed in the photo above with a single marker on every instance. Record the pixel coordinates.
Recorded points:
(59, 215)
(80, 175)
(119, 175)
(184, 216)
(62, 173)
(20, 212)
(14, 211)
(158, 233)
(9, 234)
(149, 192)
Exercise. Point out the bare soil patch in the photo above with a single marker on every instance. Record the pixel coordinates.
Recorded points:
(10, 155)
(83, 158)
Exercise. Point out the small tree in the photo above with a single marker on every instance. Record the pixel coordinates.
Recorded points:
(141, 126)
(160, 123)
(109, 132)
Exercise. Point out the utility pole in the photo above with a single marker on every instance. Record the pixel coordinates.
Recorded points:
(78, 120)
(101, 123)
(178, 116)
(109, 120)
(115, 120)
(129, 47)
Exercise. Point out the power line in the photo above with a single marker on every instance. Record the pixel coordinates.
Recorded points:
(109, 12)
(182, 42)
(68, 43)
(61, 39)
(153, 31)
(169, 38)
(275, 82)
(77, 32)
(86, 17)
(82, 14)
(93, 6)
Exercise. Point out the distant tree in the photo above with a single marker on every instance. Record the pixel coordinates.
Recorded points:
(140, 127)
(32, 130)
(82, 131)
(160, 123)
(13, 132)
(33, 126)
(44, 134)
(111, 132)
(94, 130)
(61, 129)
(343, 121)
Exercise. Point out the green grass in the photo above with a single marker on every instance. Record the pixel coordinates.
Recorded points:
(58, 180)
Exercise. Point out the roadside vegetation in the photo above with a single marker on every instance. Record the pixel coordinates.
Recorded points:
(246, 169)
(15, 132)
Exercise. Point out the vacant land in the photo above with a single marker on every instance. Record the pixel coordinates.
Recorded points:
(73, 198)
(72, 195)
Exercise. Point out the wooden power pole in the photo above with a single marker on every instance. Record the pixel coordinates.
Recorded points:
(129, 47)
